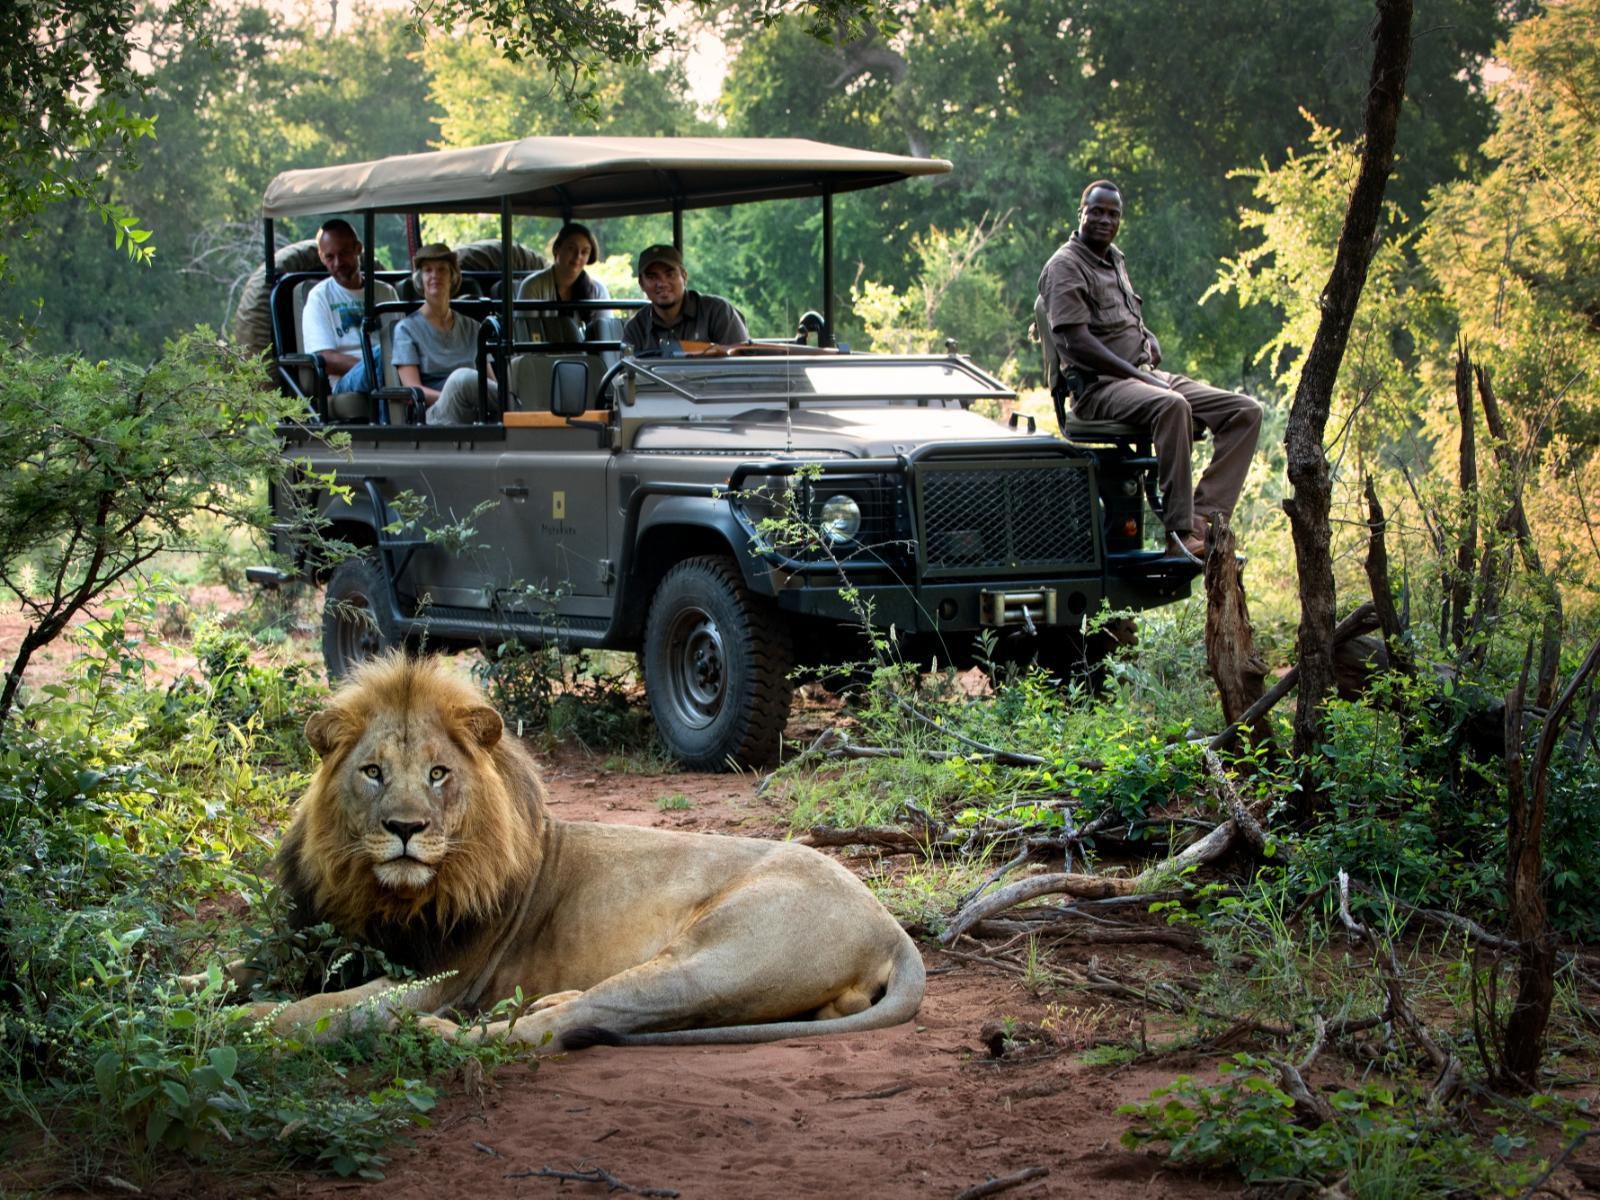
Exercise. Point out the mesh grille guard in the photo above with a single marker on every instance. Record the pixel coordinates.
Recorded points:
(1024, 518)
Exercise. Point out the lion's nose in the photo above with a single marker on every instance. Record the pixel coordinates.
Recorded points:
(404, 830)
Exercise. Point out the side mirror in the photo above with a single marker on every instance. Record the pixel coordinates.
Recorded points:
(569, 388)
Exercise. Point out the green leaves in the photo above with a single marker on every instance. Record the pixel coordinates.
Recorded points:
(64, 74)
(1383, 1139)
(104, 465)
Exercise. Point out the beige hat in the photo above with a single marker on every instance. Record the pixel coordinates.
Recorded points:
(655, 254)
(436, 252)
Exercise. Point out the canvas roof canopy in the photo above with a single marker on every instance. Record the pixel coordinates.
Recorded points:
(591, 176)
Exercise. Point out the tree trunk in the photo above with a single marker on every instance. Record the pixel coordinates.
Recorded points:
(1530, 1013)
(1467, 546)
(1310, 504)
(1394, 633)
(1230, 646)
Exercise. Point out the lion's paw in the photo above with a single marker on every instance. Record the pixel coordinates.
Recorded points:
(553, 999)
(442, 1026)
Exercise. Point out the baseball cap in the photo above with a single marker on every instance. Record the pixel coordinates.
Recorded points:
(656, 254)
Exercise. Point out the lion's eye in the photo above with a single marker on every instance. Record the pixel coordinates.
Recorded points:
(372, 771)
(438, 773)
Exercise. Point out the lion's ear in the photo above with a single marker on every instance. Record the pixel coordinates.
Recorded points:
(330, 729)
(483, 723)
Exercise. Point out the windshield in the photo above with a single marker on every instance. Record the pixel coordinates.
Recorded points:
(841, 379)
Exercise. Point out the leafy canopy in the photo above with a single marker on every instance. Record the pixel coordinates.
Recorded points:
(67, 77)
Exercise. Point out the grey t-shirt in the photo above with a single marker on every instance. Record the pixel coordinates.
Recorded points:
(434, 353)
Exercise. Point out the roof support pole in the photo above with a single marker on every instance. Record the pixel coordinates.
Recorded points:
(677, 222)
(502, 357)
(505, 266)
(827, 259)
(369, 225)
(369, 320)
(272, 253)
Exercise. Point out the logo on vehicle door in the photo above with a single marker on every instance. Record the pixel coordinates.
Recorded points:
(557, 525)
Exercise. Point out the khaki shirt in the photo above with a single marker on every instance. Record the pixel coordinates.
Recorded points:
(1081, 288)
(703, 318)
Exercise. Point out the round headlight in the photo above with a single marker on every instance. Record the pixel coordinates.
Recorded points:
(841, 519)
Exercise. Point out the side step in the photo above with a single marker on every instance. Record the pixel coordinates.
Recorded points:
(269, 578)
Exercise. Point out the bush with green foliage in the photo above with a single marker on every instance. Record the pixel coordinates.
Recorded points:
(127, 810)
(103, 466)
(1382, 1141)
(582, 698)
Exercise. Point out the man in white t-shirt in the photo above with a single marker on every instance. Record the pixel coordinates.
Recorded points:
(331, 323)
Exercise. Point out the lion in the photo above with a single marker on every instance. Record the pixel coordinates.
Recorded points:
(425, 833)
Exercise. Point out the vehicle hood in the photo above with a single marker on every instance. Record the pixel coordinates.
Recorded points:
(848, 432)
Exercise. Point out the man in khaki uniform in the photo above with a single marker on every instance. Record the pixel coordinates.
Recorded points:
(1094, 322)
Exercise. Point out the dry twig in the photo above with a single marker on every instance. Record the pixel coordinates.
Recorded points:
(1398, 1009)
(992, 1187)
(593, 1175)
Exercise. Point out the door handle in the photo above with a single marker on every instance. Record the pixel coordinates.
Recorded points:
(514, 490)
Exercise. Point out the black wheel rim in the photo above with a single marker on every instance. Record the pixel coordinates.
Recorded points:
(697, 678)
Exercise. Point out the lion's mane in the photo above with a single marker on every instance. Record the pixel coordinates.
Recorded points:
(492, 861)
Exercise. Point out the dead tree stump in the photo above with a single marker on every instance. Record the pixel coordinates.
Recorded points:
(1231, 656)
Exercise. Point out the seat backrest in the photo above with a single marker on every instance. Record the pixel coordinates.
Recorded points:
(530, 382)
(1047, 344)
(531, 376)
(607, 329)
(545, 325)
(307, 376)
(386, 326)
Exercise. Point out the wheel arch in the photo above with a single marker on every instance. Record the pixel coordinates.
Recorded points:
(659, 547)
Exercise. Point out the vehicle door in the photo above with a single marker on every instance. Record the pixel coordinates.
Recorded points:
(549, 527)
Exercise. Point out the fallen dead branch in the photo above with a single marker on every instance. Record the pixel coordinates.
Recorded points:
(890, 837)
(1310, 1105)
(1085, 887)
(993, 1187)
(1093, 887)
(592, 1175)
(1072, 931)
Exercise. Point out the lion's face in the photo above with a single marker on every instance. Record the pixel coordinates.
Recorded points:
(403, 795)
(418, 802)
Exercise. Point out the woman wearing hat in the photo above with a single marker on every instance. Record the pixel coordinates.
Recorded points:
(564, 279)
(436, 348)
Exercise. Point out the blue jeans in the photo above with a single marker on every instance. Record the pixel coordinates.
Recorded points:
(355, 379)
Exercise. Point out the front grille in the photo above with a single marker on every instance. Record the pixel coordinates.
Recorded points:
(1020, 518)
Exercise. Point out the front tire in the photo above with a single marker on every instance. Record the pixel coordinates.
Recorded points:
(716, 667)
(356, 624)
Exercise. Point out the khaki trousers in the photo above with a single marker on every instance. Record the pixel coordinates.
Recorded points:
(1233, 420)
(458, 399)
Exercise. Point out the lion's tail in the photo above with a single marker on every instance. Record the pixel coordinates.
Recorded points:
(900, 1001)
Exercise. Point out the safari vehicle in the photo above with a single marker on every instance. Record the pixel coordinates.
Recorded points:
(725, 518)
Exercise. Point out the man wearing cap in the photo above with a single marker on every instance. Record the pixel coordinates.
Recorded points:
(331, 321)
(1093, 319)
(676, 314)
